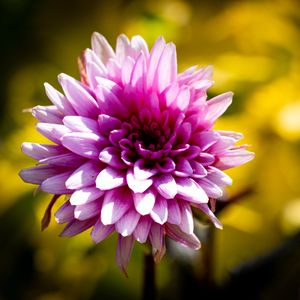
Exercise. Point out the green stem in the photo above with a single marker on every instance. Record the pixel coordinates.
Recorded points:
(149, 288)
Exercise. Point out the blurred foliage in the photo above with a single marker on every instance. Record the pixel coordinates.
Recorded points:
(254, 47)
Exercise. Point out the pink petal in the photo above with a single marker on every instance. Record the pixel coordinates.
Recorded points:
(65, 213)
(217, 106)
(183, 168)
(85, 195)
(187, 240)
(127, 70)
(142, 229)
(115, 204)
(210, 214)
(94, 70)
(124, 250)
(81, 124)
(218, 177)
(222, 144)
(174, 213)
(198, 170)
(110, 178)
(141, 171)
(184, 133)
(137, 186)
(166, 165)
(182, 100)
(189, 190)
(75, 227)
(167, 67)
(47, 215)
(205, 139)
(138, 74)
(157, 240)
(127, 224)
(122, 48)
(53, 132)
(159, 213)
(144, 202)
(84, 176)
(40, 151)
(139, 44)
(86, 144)
(108, 123)
(187, 221)
(69, 160)
(101, 47)
(87, 211)
(59, 100)
(112, 157)
(56, 184)
(101, 231)
(211, 189)
(166, 185)
(82, 101)
(47, 114)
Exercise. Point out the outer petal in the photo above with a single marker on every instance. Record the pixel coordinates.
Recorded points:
(53, 132)
(102, 48)
(101, 231)
(47, 114)
(87, 211)
(142, 229)
(159, 213)
(174, 213)
(56, 184)
(110, 178)
(137, 186)
(65, 213)
(81, 124)
(127, 224)
(166, 185)
(187, 221)
(85, 195)
(75, 227)
(124, 250)
(40, 151)
(157, 240)
(144, 202)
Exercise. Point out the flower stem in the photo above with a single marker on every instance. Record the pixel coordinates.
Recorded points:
(149, 288)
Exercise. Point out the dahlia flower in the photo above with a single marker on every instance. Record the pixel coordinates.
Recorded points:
(133, 147)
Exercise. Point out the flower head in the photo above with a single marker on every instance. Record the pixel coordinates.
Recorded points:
(133, 146)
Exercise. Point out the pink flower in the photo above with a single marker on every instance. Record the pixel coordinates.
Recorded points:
(133, 146)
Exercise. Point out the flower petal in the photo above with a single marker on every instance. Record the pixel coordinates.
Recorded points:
(53, 132)
(166, 185)
(56, 184)
(141, 171)
(101, 231)
(85, 195)
(112, 157)
(137, 186)
(174, 213)
(75, 227)
(81, 124)
(87, 211)
(210, 214)
(65, 213)
(102, 48)
(40, 151)
(115, 204)
(110, 178)
(145, 201)
(124, 250)
(108, 123)
(127, 224)
(159, 213)
(183, 168)
(47, 114)
(187, 221)
(157, 240)
(142, 229)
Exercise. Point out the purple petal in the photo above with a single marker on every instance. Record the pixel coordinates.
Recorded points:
(222, 144)
(142, 229)
(82, 101)
(56, 184)
(94, 70)
(124, 250)
(141, 171)
(47, 215)
(122, 48)
(115, 204)
(166, 185)
(40, 151)
(86, 144)
(101, 47)
(139, 44)
(137, 186)
(211, 189)
(183, 168)
(110, 178)
(187, 221)
(112, 157)
(101, 231)
(138, 78)
(210, 214)
(69, 160)
(108, 123)
(65, 213)
(85, 195)
(159, 213)
(81, 124)
(127, 224)
(157, 240)
(127, 70)
(166, 165)
(53, 132)
(84, 176)
(183, 99)
(198, 170)
(47, 114)
(87, 211)
(144, 202)
(59, 100)
(206, 159)
(174, 213)
(187, 240)
(189, 190)
(205, 139)
(184, 133)
(75, 227)
(218, 177)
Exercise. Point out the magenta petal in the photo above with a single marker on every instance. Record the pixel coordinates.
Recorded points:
(187, 240)
(84, 176)
(69, 160)
(59, 100)
(144, 202)
(210, 214)
(137, 186)
(141, 171)
(65, 213)
(102, 48)
(124, 250)
(157, 240)
(142, 229)
(75, 227)
(187, 221)
(184, 133)
(86, 144)
(85, 195)
(218, 177)
(183, 168)
(56, 184)
(127, 70)
(108, 123)
(40, 151)
(174, 213)
(112, 157)
(198, 170)
(127, 224)
(159, 213)
(115, 204)
(53, 132)
(205, 139)
(81, 124)
(110, 178)
(222, 144)
(81, 100)
(210, 188)
(47, 114)
(166, 185)
(101, 231)
(87, 211)
(189, 190)
(166, 165)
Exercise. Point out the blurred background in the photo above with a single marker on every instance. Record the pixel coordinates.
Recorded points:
(255, 49)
